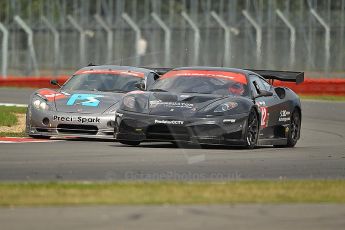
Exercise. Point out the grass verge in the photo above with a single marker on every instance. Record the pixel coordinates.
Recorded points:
(9, 124)
(134, 193)
(7, 115)
(323, 97)
(11, 134)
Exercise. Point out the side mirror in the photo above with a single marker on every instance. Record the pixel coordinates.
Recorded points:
(55, 82)
(140, 85)
(264, 93)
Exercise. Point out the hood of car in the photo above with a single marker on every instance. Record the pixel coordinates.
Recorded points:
(81, 101)
(171, 104)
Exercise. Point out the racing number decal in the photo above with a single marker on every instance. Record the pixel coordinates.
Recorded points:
(88, 99)
(264, 116)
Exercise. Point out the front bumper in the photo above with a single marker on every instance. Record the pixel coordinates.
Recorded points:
(228, 130)
(53, 123)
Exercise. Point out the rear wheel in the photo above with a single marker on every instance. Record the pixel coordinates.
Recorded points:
(294, 131)
(133, 143)
(252, 130)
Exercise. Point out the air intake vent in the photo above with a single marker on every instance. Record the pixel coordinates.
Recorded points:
(165, 132)
(77, 129)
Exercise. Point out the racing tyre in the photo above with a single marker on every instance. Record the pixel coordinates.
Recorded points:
(132, 143)
(294, 131)
(252, 130)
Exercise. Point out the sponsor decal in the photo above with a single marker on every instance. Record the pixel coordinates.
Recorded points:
(77, 119)
(51, 94)
(264, 116)
(264, 113)
(176, 104)
(169, 122)
(261, 103)
(87, 99)
(229, 120)
(284, 116)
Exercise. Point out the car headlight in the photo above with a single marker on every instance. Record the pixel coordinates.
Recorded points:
(137, 103)
(40, 104)
(129, 102)
(226, 107)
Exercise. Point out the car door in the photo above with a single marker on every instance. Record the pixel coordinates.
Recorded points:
(268, 105)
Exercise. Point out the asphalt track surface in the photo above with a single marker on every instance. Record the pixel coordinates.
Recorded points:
(320, 154)
(259, 217)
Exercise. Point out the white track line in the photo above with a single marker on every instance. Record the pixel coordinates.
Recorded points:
(11, 104)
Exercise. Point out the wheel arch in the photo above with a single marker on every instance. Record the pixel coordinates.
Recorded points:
(256, 109)
(299, 110)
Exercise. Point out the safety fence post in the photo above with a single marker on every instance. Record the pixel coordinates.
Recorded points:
(29, 33)
(56, 44)
(196, 37)
(4, 52)
(327, 37)
(82, 34)
(227, 37)
(292, 37)
(107, 28)
(137, 31)
(167, 33)
(258, 30)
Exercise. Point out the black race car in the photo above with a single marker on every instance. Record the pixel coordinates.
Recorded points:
(212, 105)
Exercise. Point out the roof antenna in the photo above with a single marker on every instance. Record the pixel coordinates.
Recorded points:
(90, 64)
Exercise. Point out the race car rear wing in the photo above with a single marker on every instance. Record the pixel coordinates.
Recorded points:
(290, 76)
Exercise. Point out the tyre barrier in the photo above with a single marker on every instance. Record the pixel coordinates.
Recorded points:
(31, 82)
(319, 86)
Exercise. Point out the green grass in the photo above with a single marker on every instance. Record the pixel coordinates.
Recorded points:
(323, 97)
(7, 115)
(11, 134)
(136, 193)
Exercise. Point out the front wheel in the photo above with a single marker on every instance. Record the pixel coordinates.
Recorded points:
(132, 143)
(252, 130)
(294, 131)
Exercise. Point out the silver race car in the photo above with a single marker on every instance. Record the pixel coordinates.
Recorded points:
(85, 105)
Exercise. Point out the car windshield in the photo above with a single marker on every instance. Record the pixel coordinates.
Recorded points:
(203, 82)
(106, 82)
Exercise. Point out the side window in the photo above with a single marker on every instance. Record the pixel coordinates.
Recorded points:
(259, 84)
(266, 84)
